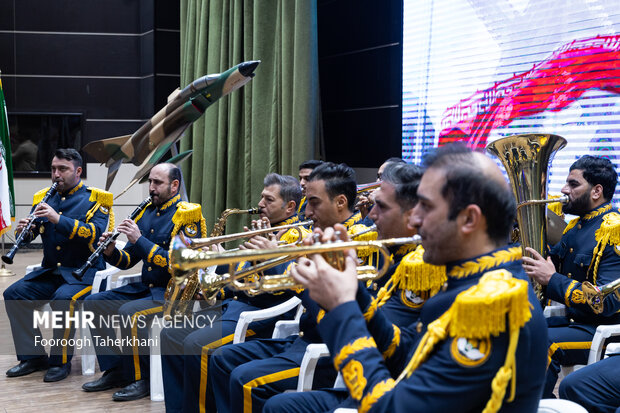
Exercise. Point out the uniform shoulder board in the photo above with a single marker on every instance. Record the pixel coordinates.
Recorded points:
(416, 275)
(38, 197)
(358, 228)
(609, 231)
(480, 311)
(292, 234)
(187, 213)
(101, 197)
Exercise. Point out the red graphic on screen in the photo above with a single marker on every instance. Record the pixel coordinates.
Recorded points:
(552, 85)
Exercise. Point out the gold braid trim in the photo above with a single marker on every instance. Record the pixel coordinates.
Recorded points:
(111, 221)
(38, 197)
(186, 213)
(92, 211)
(375, 394)
(101, 197)
(362, 252)
(358, 345)
(571, 286)
(484, 263)
(496, 296)
(607, 234)
(292, 235)
(395, 342)
(587, 217)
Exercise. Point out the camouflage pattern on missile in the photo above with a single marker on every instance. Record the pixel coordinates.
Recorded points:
(151, 141)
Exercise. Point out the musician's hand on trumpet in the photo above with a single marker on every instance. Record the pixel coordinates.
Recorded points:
(259, 241)
(537, 267)
(328, 286)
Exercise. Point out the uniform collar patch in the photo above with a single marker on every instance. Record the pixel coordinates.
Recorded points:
(170, 202)
(75, 188)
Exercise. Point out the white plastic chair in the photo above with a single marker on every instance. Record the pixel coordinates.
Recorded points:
(247, 317)
(612, 348)
(559, 406)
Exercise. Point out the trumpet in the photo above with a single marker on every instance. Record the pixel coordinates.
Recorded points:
(184, 260)
(206, 242)
(596, 295)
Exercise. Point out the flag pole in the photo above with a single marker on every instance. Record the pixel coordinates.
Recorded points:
(5, 272)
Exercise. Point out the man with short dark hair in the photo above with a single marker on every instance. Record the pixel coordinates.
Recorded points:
(586, 252)
(266, 366)
(305, 169)
(69, 222)
(149, 237)
(462, 343)
(186, 351)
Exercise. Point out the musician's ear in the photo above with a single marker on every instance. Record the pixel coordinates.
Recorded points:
(78, 171)
(174, 186)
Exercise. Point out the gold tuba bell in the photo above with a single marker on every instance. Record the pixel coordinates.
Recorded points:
(526, 159)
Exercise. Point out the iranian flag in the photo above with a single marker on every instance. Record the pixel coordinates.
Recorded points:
(7, 195)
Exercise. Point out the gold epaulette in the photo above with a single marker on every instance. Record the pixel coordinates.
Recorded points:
(609, 231)
(369, 236)
(476, 314)
(555, 207)
(480, 311)
(101, 197)
(416, 275)
(188, 213)
(38, 197)
(607, 234)
(292, 235)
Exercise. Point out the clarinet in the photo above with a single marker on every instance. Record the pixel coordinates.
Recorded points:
(79, 273)
(8, 258)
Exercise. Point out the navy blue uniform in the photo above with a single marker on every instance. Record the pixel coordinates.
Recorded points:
(595, 387)
(140, 301)
(263, 368)
(581, 255)
(186, 351)
(67, 245)
(455, 364)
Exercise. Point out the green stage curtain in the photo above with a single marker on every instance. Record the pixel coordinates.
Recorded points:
(273, 123)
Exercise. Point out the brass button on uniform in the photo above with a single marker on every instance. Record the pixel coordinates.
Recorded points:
(581, 265)
(57, 247)
(579, 226)
(571, 250)
(63, 198)
(418, 327)
(301, 334)
(304, 310)
(152, 230)
(58, 264)
(235, 297)
(374, 286)
(60, 213)
(150, 268)
(569, 275)
(151, 285)
(157, 214)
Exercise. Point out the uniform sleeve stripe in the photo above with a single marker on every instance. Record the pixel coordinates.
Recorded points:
(359, 344)
(395, 342)
(75, 228)
(375, 394)
(568, 291)
(150, 257)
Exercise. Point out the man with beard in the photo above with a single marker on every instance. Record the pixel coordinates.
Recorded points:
(69, 222)
(588, 251)
(149, 237)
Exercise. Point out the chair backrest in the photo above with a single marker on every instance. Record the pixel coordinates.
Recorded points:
(559, 406)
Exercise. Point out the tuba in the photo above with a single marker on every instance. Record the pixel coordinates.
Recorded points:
(178, 297)
(526, 159)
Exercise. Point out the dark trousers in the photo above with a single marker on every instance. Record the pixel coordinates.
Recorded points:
(595, 387)
(23, 297)
(315, 401)
(245, 375)
(186, 352)
(133, 313)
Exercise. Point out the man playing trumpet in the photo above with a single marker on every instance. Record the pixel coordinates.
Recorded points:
(462, 343)
(186, 351)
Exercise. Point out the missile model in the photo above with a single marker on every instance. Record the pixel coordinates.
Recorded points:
(151, 141)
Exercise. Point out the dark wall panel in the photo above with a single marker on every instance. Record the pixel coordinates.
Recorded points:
(364, 79)
(360, 71)
(97, 98)
(6, 17)
(364, 138)
(73, 55)
(168, 52)
(91, 16)
(7, 58)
